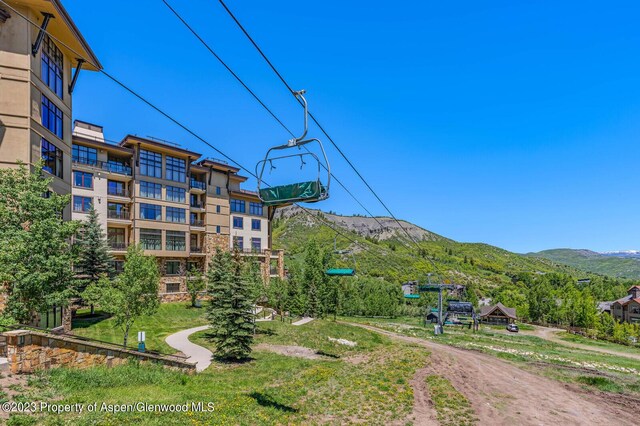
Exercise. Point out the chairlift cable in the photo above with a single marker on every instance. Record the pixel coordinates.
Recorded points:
(282, 79)
(257, 98)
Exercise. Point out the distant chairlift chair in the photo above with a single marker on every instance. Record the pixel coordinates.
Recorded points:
(308, 191)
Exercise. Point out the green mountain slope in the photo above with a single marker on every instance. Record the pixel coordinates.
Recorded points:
(591, 261)
(386, 251)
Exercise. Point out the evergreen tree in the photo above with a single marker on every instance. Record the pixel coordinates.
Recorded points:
(230, 310)
(313, 279)
(278, 296)
(94, 259)
(131, 294)
(35, 254)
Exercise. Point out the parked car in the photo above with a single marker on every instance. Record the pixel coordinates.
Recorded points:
(512, 327)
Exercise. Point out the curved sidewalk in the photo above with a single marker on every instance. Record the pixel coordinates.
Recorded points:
(196, 353)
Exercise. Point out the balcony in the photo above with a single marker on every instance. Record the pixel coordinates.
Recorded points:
(111, 167)
(252, 251)
(197, 222)
(118, 246)
(196, 204)
(118, 192)
(121, 215)
(195, 249)
(197, 185)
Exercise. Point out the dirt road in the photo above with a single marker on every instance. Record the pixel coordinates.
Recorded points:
(549, 334)
(503, 394)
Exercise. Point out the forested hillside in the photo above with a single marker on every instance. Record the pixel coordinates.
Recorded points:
(389, 253)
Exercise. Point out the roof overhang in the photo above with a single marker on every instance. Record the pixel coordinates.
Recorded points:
(64, 29)
(131, 140)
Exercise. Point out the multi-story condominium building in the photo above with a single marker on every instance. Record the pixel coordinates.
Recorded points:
(37, 79)
(178, 208)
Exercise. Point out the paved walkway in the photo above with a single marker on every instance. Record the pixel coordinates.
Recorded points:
(196, 353)
(303, 321)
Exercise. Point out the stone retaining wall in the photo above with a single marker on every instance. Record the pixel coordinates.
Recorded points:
(28, 351)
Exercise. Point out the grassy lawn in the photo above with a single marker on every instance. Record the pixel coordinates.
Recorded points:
(590, 369)
(170, 318)
(568, 337)
(367, 383)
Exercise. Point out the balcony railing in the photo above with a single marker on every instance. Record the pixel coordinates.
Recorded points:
(196, 204)
(197, 184)
(196, 249)
(197, 222)
(118, 192)
(114, 214)
(252, 250)
(118, 245)
(111, 167)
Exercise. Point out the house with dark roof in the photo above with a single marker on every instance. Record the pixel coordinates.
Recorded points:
(497, 314)
(627, 309)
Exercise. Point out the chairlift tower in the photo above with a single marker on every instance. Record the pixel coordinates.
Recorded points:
(429, 287)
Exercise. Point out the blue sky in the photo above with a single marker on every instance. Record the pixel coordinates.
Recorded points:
(510, 123)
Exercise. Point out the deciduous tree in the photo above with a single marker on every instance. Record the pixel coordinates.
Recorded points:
(131, 294)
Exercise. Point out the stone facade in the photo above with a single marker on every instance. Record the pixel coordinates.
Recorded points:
(30, 351)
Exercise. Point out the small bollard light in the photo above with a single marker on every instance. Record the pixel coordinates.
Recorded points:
(141, 338)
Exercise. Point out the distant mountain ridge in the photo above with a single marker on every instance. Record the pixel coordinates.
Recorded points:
(370, 227)
(620, 264)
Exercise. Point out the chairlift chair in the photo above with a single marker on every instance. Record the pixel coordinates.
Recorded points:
(342, 272)
(308, 191)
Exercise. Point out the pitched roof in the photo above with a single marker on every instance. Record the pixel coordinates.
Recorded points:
(488, 310)
(633, 286)
(623, 301)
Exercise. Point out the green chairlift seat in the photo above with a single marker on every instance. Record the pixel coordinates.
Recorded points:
(308, 192)
(340, 272)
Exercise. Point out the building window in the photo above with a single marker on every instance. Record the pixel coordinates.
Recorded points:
(256, 244)
(150, 190)
(256, 224)
(116, 238)
(176, 194)
(217, 209)
(52, 66)
(176, 241)
(238, 206)
(255, 208)
(117, 211)
(84, 155)
(193, 266)
(82, 204)
(172, 267)
(151, 239)
(217, 229)
(83, 179)
(237, 222)
(150, 163)
(51, 117)
(150, 212)
(173, 287)
(52, 157)
(116, 188)
(117, 266)
(238, 243)
(176, 169)
(175, 214)
(218, 190)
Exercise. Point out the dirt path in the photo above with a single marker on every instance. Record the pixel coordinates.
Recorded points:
(549, 334)
(503, 394)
